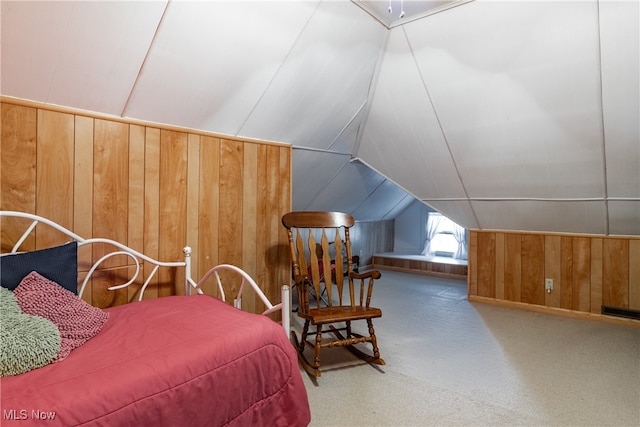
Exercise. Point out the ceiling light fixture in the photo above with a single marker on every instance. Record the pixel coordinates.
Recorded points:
(401, 8)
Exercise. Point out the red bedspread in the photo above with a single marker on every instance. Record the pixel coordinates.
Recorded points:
(173, 361)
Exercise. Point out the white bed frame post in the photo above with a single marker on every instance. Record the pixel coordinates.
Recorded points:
(286, 309)
(187, 270)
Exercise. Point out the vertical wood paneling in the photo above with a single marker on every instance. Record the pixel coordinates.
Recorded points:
(513, 267)
(110, 205)
(230, 225)
(250, 226)
(173, 207)
(209, 205)
(552, 270)
(487, 264)
(472, 277)
(17, 170)
(135, 226)
(110, 185)
(533, 269)
(500, 259)
(581, 274)
(615, 283)
(193, 194)
(566, 275)
(272, 218)
(153, 188)
(634, 274)
(54, 173)
(596, 274)
(136, 187)
(284, 265)
(83, 187)
(588, 271)
(151, 203)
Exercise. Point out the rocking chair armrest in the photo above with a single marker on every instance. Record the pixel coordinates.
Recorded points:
(301, 279)
(375, 274)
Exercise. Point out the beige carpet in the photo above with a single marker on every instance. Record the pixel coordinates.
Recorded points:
(455, 363)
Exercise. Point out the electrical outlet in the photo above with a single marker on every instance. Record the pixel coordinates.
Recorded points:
(548, 285)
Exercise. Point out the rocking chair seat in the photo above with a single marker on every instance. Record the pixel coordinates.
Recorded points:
(342, 313)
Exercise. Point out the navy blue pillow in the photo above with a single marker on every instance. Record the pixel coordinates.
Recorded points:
(59, 264)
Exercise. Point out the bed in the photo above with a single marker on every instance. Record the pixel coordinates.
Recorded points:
(209, 363)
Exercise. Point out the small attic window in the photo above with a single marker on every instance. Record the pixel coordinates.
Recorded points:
(444, 237)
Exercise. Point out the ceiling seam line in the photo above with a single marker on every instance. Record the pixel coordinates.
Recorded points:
(390, 180)
(321, 150)
(344, 128)
(373, 84)
(604, 145)
(284, 61)
(329, 182)
(522, 199)
(437, 116)
(364, 199)
(395, 206)
(123, 113)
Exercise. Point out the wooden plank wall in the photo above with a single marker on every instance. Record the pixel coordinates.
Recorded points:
(155, 188)
(587, 271)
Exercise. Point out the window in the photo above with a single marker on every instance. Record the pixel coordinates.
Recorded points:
(444, 237)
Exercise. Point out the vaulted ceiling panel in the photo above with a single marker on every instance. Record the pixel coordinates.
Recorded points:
(77, 54)
(324, 80)
(384, 202)
(211, 61)
(516, 90)
(312, 170)
(620, 44)
(349, 188)
(402, 138)
(547, 216)
(624, 217)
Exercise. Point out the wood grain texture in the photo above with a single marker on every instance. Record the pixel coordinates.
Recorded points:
(173, 207)
(54, 173)
(152, 203)
(17, 170)
(153, 187)
(250, 226)
(500, 264)
(472, 277)
(513, 267)
(533, 269)
(588, 270)
(487, 264)
(596, 274)
(230, 227)
(581, 274)
(552, 270)
(634, 274)
(615, 283)
(209, 206)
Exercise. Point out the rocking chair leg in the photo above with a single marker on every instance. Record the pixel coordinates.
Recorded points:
(305, 332)
(374, 342)
(316, 359)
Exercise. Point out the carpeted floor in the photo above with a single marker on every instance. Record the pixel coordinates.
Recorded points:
(455, 363)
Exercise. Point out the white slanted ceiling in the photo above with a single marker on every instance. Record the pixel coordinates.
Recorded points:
(500, 114)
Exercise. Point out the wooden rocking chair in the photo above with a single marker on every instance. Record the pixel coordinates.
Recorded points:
(313, 238)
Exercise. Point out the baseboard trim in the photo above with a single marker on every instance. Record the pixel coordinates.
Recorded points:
(555, 311)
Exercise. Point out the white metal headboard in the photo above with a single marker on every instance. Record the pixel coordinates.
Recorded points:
(136, 256)
(121, 250)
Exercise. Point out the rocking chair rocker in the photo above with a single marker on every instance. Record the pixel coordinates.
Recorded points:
(313, 266)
